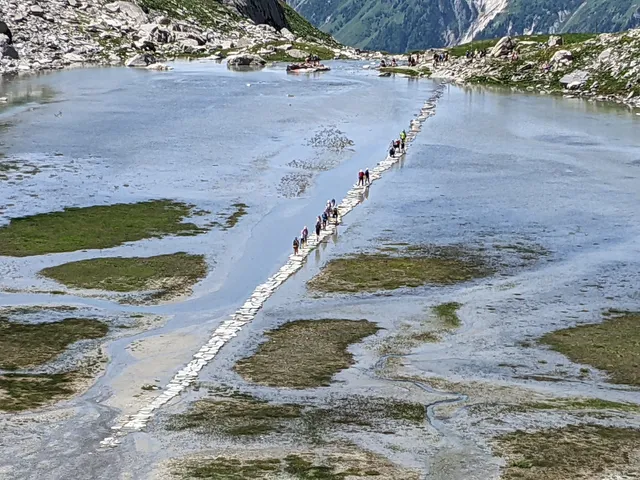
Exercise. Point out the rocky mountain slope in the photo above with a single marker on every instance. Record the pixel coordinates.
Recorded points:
(44, 35)
(405, 25)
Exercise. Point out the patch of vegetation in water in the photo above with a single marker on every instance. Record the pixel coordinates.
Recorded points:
(166, 274)
(28, 345)
(102, 226)
(612, 346)
(239, 415)
(19, 392)
(235, 417)
(575, 451)
(415, 266)
(448, 313)
(582, 404)
(348, 464)
(304, 353)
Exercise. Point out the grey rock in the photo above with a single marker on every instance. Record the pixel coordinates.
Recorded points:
(575, 79)
(72, 3)
(297, 53)
(554, 41)
(504, 47)
(141, 60)
(36, 10)
(245, 60)
(73, 58)
(605, 55)
(562, 56)
(287, 34)
(130, 10)
(6, 49)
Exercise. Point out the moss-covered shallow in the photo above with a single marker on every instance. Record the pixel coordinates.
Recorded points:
(304, 353)
(348, 464)
(28, 345)
(163, 274)
(102, 226)
(243, 416)
(413, 267)
(612, 346)
(448, 313)
(20, 392)
(576, 451)
(572, 404)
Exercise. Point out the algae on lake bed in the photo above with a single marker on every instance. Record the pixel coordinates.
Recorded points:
(345, 463)
(304, 353)
(238, 415)
(612, 346)
(448, 313)
(20, 392)
(101, 226)
(575, 451)
(414, 267)
(165, 274)
(28, 345)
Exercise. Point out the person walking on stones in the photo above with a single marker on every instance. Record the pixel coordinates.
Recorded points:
(296, 245)
(304, 235)
(333, 203)
(403, 139)
(318, 227)
(392, 151)
(325, 217)
(360, 178)
(335, 215)
(366, 177)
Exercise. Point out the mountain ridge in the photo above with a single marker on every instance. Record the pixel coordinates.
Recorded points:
(404, 25)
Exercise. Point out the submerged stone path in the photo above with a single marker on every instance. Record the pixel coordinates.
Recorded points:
(247, 312)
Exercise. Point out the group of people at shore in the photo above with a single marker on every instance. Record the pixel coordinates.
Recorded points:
(331, 210)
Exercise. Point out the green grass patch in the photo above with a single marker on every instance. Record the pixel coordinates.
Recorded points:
(304, 353)
(209, 13)
(612, 346)
(95, 227)
(575, 451)
(165, 274)
(416, 266)
(448, 313)
(19, 392)
(567, 38)
(28, 345)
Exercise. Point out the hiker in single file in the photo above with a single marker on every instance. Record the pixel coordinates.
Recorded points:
(318, 226)
(325, 217)
(366, 177)
(360, 178)
(296, 245)
(304, 236)
(335, 214)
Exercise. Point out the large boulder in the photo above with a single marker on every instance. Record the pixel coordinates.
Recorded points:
(260, 11)
(504, 47)
(296, 53)
(6, 50)
(36, 10)
(562, 56)
(575, 79)
(141, 60)
(245, 60)
(4, 30)
(554, 41)
(129, 10)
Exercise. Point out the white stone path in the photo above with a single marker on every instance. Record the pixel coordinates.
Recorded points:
(247, 312)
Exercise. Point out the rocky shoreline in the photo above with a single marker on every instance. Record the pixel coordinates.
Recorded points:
(601, 68)
(40, 36)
